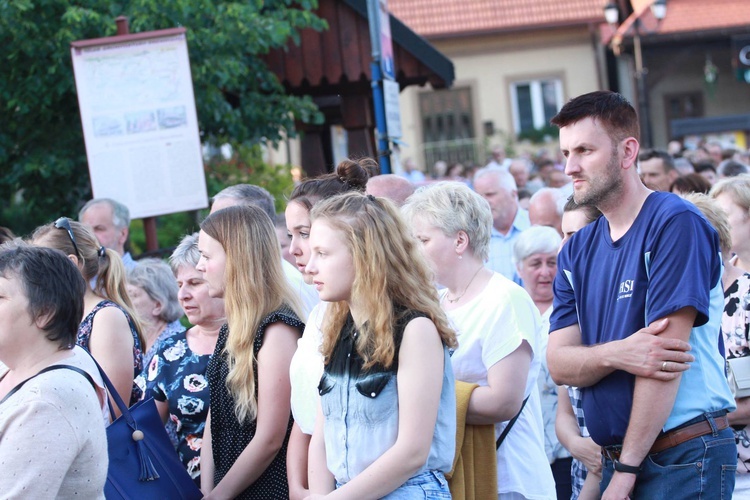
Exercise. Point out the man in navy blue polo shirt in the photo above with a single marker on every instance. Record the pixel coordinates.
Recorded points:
(640, 281)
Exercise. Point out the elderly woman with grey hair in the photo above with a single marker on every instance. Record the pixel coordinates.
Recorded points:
(152, 289)
(497, 327)
(176, 375)
(535, 256)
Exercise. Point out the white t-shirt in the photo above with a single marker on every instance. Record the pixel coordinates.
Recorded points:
(306, 369)
(490, 327)
(308, 296)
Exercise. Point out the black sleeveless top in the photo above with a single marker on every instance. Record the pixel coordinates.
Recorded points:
(229, 437)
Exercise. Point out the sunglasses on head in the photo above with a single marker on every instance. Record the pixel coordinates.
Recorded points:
(64, 223)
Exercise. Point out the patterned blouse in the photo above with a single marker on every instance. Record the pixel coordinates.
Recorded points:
(578, 471)
(177, 375)
(735, 325)
(84, 336)
(172, 328)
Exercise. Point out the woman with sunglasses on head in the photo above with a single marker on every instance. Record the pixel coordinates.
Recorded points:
(307, 363)
(249, 420)
(108, 330)
(387, 421)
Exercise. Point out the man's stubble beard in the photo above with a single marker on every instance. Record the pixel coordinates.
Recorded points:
(602, 189)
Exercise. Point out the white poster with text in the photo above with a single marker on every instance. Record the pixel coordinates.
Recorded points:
(139, 122)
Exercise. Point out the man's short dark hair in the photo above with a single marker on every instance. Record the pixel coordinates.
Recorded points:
(592, 213)
(666, 158)
(704, 166)
(53, 285)
(610, 109)
(731, 168)
(691, 183)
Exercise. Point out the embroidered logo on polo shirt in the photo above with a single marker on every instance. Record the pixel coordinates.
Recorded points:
(626, 289)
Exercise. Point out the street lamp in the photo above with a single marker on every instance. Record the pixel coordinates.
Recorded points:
(612, 16)
(611, 13)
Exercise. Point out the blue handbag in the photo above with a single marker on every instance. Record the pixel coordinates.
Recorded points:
(143, 464)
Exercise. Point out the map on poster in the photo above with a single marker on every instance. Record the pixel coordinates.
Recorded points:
(135, 94)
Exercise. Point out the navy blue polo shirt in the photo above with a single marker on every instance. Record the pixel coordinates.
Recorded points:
(667, 260)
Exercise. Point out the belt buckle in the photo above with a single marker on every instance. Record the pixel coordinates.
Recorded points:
(612, 452)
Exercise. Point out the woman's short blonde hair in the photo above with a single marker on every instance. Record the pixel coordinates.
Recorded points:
(453, 207)
(737, 187)
(711, 210)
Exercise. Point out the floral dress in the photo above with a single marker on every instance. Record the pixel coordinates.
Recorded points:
(171, 329)
(735, 325)
(177, 375)
(84, 336)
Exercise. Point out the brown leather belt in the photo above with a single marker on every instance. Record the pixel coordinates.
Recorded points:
(675, 437)
(679, 436)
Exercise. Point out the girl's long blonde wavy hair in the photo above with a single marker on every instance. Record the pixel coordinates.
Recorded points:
(255, 287)
(390, 272)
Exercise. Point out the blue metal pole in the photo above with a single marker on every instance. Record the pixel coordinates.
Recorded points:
(381, 134)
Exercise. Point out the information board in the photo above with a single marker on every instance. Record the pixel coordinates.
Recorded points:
(135, 94)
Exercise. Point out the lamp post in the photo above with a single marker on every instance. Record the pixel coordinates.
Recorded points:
(612, 15)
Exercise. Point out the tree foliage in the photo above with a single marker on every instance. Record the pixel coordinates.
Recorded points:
(43, 169)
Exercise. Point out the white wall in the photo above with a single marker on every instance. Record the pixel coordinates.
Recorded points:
(488, 66)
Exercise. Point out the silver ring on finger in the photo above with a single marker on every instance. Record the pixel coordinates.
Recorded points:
(664, 366)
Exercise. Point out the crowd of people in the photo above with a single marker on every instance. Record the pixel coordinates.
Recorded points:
(392, 336)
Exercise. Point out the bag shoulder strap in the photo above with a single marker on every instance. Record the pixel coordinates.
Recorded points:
(114, 395)
(49, 369)
(510, 424)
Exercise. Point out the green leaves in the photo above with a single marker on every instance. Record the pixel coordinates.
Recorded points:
(43, 170)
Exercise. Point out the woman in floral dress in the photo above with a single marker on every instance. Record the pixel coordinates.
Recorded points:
(735, 322)
(176, 375)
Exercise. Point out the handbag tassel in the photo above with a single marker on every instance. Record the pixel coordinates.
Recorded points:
(148, 471)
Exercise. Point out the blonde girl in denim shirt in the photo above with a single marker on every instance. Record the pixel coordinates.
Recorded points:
(387, 392)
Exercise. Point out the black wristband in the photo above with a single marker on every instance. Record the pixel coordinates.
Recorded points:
(628, 469)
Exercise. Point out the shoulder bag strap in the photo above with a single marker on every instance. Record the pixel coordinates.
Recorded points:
(49, 369)
(510, 424)
(114, 395)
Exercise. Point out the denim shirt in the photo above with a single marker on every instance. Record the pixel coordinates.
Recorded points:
(361, 409)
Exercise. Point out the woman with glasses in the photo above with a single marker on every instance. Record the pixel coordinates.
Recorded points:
(153, 292)
(109, 329)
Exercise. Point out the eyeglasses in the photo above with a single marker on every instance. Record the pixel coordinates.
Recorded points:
(64, 223)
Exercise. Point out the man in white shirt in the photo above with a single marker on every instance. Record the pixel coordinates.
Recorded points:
(498, 187)
(499, 160)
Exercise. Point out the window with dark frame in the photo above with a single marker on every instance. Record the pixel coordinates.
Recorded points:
(448, 126)
(534, 102)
